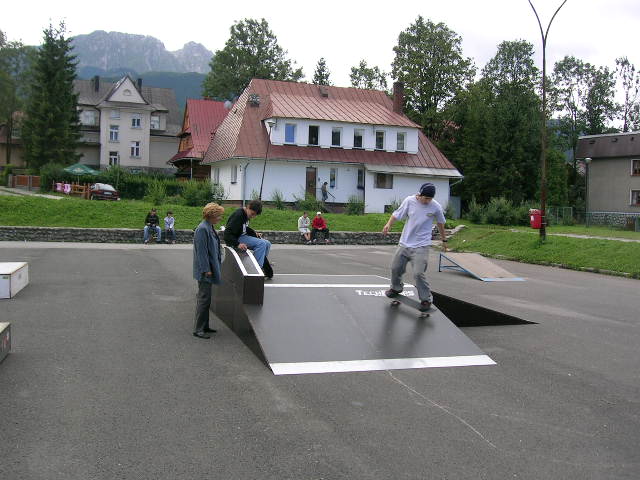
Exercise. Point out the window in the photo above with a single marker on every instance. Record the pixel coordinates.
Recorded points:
(314, 133)
(635, 167)
(400, 142)
(114, 158)
(234, 173)
(216, 175)
(115, 114)
(155, 122)
(336, 137)
(89, 117)
(379, 140)
(136, 120)
(635, 197)
(127, 93)
(333, 173)
(357, 138)
(135, 149)
(113, 133)
(383, 180)
(290, 133)
(360, 178)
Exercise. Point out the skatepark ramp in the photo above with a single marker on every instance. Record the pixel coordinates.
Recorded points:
(475, 265)
(301, 323)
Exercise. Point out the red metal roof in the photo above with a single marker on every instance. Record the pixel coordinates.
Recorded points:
(242, 133)
(205, 116)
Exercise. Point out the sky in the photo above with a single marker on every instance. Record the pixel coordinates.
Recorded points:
(344, 32)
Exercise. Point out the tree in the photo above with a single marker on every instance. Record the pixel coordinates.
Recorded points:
(371, 78)
(630, 111)
(15, 60)
(51, 129)
(321, 75)
(496, 140)
(252, 51)
(428, 59)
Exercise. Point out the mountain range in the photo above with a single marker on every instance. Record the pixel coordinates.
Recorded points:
(114, 50)
(111, 55)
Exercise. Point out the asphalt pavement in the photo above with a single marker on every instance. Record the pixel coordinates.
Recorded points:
(105, 380)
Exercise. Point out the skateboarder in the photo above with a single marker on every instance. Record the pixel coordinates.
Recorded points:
(420, 211)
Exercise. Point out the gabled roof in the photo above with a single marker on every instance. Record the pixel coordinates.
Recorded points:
(242, 133)
(205, 116)
(162, 99)
(609, 145)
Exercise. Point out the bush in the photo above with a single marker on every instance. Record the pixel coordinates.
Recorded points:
(49, 173)
(308, 203)
(4, 175)
(355, 206)
(156, 192)
(476, 212)
(500, 211)
(197, 194)
(278, 200)
(393, 206)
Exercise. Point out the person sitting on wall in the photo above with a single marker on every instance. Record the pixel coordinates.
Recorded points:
(319, 225)
(303, 227)
(239, 235)
(151, 222)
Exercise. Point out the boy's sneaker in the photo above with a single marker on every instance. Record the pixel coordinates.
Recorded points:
(392, 293)
(425, 306)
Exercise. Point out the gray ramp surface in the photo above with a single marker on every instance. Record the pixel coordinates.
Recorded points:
(475, 265)
(341, 323)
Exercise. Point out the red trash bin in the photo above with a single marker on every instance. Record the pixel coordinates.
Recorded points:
(535, 217)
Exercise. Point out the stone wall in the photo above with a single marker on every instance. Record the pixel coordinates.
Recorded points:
(128, 235)
(615, 219)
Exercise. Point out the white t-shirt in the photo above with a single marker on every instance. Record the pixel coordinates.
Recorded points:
(417, 229)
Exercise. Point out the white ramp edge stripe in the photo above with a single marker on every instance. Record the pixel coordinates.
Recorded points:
(379, 364)
(323, 285)
(502, 279)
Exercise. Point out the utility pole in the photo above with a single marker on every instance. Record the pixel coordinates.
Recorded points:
(543, 132)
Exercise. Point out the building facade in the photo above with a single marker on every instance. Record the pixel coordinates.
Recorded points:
(613, 172)
(127, 124)
(290, 138)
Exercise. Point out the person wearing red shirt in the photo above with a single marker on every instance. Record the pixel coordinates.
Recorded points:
(319, 225)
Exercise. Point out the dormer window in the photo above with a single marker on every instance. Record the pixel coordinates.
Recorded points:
(336, 137)
(155, 122)
(401, 140)
(290, 133)
(314, 134)
(358, 134)
(379, 140)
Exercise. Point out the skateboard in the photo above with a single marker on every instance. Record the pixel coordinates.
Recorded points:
(410, 302)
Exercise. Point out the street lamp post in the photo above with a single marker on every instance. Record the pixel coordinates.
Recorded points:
(543, 133)
(270, 125)
(587, 161)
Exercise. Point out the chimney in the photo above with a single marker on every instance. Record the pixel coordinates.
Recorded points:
(96, 83)
(398, 97)
(324, 91)
(139, 82)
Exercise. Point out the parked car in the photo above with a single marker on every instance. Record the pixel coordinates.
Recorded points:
(103, 191)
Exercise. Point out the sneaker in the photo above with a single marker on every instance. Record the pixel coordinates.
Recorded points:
(146, 241)
(425, 305)
(309, 242)
(392, 293)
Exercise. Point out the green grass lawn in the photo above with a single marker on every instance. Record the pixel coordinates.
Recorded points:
(575, 253)
(73, 212)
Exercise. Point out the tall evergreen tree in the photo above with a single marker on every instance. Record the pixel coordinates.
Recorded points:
(51, 129)
(252, 51)
(429, 60)
(15, 61)
(371, 78)
(321, 75)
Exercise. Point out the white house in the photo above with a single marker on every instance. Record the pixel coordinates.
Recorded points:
(358, 141)
(127, 124)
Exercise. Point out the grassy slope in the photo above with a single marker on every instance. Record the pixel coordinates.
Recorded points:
(72, 212)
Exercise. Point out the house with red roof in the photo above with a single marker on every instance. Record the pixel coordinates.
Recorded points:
(201, 120)
(292, 137)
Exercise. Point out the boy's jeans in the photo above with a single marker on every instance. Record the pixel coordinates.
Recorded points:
(419, 258)
(146, 233)
(259, 246)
